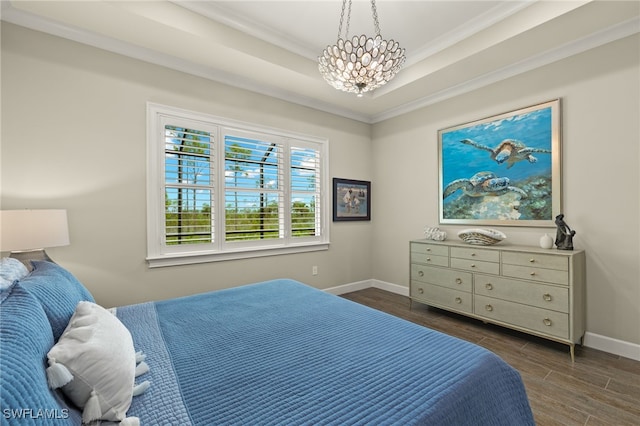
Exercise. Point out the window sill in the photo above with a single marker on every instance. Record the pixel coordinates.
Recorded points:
(175, 259)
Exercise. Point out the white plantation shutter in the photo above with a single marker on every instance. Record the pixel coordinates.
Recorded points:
(254, 188)
(306, 202)
(220, 189)
(189, 182)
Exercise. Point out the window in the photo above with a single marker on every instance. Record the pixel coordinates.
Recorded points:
(219, 189)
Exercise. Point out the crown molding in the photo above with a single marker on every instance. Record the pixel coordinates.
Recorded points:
(34, 22)
(37, 23)
(600, 38)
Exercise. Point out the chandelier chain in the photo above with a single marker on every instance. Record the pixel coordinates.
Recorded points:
(346, 32)
(374, 11)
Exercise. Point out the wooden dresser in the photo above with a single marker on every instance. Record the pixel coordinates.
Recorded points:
(537, 291)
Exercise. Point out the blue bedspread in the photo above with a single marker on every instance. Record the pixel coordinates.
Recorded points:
(283, 353)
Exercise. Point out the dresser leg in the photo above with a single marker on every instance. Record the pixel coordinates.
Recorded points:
(573, 354)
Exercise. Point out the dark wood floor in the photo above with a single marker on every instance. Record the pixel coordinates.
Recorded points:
(598, 389)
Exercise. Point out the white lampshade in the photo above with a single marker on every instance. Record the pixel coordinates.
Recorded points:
(22, 230)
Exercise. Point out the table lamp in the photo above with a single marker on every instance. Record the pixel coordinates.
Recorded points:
(26, 233)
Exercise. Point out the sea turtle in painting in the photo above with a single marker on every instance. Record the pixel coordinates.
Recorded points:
(510, 151)
(481, 184)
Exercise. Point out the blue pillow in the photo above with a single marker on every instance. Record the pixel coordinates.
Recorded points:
(58, 291)
(25, 339)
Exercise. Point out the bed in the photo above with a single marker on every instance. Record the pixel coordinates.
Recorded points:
(272, 353)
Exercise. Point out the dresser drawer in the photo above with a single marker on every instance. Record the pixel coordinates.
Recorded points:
(429, 259)
(442, 297)
(475, 254)
(475, 265)
(430, 249)
(547, 261)
(534, 273)
(458, 280)
(541, 320)
(525, 292)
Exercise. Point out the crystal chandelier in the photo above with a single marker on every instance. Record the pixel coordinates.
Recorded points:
(360, 64)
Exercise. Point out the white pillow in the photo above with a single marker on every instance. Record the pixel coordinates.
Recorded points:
(95, 364)
(11, 270)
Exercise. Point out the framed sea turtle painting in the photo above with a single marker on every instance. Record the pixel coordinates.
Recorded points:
(502, 170)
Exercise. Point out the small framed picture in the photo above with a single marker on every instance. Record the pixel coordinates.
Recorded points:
(351, 200)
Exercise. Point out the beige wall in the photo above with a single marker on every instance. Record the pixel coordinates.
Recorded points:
(600, 92)
(74, 137)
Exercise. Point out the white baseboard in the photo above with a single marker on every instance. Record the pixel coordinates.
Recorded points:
(612, 346)
(390, 287)
(591, 340)
(361, 285)
(348, 288)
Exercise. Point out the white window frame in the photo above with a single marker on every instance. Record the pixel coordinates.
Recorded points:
(160, 254)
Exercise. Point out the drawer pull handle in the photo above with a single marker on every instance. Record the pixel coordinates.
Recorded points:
(547, 297)
(421, 273)
(458, 280)
(488, 286)
(458, 300)
(420, 290)
(532, 273)
(532, 260)
(428, 249)
(547, 322)
(488, 308)
(473, 254)
(428, 259)
(473, 265)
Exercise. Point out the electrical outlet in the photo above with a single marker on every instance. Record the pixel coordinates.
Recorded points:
(314, 270)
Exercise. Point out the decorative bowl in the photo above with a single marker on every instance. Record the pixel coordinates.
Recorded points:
(481, 237)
